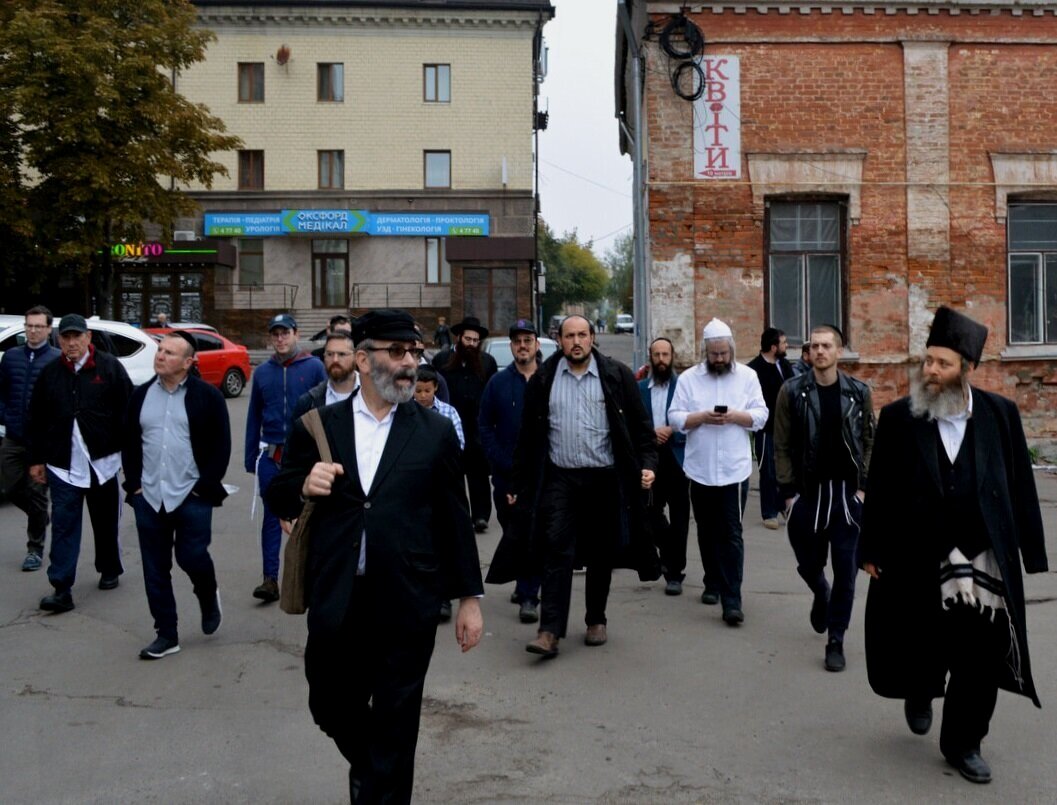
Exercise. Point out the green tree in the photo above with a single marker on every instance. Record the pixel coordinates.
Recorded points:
(574, 274)
(101, 141)
(620, 261)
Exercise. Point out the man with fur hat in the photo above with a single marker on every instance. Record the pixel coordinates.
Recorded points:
(951, 502)
(717, 404)
(467, 370)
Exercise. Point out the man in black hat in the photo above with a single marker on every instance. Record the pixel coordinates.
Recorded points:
(390, 539)
(951, 502)
(467, 369)
(75, 428)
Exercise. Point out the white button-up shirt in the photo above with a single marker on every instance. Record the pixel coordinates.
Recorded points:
(718, 455)
(659, 402)
(333, 396)
(952, 429)
(371, 434)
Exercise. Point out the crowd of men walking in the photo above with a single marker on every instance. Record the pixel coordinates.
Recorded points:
(588, 465)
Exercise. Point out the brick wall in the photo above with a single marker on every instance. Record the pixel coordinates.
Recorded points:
(928, 98)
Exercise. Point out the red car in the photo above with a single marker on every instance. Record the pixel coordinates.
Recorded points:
(221, 362)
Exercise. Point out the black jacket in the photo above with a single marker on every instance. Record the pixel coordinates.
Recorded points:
(420, 542)
(797, 417)
(96, 397)
(634, 449)
(465, 389)
(315, 397)
(772, 376)
(904, 510)
(207, 419)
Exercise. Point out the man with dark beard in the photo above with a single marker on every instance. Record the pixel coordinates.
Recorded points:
(391, 538)
(951, 503)
(773, 370)
(823, 436)
(338, 359)
(467, 371)
(671, 488)
(717, 404)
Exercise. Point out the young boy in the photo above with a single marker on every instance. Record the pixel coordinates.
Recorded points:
(426, 382)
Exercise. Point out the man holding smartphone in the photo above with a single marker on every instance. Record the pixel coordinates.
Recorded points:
(717, 404)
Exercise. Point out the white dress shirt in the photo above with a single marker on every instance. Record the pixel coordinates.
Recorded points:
(81, 463)
(332, 396)
(718, 455)
(952, 429)
(659, 402)
(371, 434)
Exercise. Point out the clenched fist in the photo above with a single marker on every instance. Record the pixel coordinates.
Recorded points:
(320, 481)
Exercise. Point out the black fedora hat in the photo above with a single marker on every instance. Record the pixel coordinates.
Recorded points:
(470, 323)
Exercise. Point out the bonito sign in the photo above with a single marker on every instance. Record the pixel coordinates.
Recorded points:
(717, 120)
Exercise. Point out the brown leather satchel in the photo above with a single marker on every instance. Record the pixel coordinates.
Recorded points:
(295, 555)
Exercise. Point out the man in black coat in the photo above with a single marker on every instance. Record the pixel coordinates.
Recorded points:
(773, 370)
(176, 451)
(390, 539)
(585, 451)
(950, 503)
(75, 424)
(467, 370)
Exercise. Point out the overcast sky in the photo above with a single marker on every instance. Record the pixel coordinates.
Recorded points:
(585, 182)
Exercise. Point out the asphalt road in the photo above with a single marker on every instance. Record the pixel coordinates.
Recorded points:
(676, 707)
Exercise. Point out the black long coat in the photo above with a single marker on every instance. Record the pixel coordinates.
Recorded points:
(634, 449)
(420, 542)
(903, 509)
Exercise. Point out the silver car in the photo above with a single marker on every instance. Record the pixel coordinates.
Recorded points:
(499, 348)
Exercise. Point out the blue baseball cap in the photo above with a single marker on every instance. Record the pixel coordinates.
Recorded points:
(282, 320)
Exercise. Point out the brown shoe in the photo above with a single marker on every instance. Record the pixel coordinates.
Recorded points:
(596, 635)
(268, 590)
(545, 644)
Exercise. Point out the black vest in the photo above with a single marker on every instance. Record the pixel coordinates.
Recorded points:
(964, 524)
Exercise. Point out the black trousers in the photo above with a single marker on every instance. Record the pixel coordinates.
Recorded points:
(976, 650)
(718, 510)
(672, 489)
(365, 692)
(580, 519)
(480, 491)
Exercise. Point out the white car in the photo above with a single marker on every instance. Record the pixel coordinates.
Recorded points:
(625, 323)
(499, 348)
(133, 347)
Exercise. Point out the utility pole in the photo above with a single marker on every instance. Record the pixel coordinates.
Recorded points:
(641, 307)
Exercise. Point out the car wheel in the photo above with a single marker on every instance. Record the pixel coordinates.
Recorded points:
(233, 383)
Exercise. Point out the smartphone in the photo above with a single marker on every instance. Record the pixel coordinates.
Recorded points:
(720, 409)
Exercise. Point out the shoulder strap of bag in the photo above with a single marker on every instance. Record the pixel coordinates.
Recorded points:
(314, 425)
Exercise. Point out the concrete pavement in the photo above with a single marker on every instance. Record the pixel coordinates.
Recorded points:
(677, 707)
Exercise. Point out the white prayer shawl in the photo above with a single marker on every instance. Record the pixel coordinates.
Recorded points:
(978, 584)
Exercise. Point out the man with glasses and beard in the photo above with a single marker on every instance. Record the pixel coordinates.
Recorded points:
(951, 503)
(391, 537)
(338, 360)
(467, 371)
(717, 404)
(671, 488)
(823, 437)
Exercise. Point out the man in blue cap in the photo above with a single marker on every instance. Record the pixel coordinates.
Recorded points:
(277, 385)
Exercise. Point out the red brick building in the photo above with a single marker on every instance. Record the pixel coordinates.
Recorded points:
(861, 163)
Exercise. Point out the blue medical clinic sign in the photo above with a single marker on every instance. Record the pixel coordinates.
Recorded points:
(345, 222)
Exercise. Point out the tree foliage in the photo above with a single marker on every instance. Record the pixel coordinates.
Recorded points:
(94, 139)
(574, 274)
(620, 261)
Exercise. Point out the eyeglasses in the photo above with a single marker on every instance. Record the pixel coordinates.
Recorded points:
(398, 351)
(331, 355)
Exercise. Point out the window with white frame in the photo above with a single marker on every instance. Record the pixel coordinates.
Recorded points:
(1031, 232)
(805, 263)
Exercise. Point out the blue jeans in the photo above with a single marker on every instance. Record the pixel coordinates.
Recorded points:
(271, 531)
(67, 513)
(187, 532)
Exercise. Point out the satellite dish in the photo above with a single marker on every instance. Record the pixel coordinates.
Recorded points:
(282, 56)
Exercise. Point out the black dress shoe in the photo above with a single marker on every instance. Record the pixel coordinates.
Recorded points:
(835, 655)
(918, 715)
(709, 598)
(971, 766)
(673, 587)
(528, 612)
(108, 582)
(733, 616)
(212, 613)
(57, 602)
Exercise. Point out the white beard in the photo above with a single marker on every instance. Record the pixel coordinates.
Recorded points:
(948, 402)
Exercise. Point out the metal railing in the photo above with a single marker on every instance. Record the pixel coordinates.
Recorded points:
(271, 295)
(399, 294)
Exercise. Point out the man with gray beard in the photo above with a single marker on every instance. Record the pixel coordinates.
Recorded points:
(951, 503)
(390, 538)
